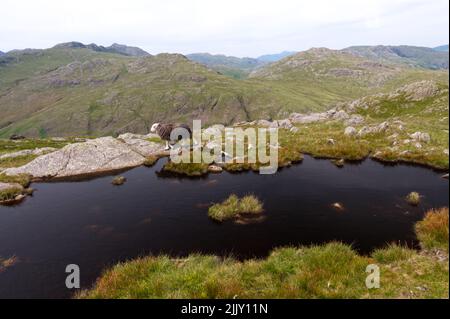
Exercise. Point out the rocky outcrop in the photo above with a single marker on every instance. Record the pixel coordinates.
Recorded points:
(298, 118)
(418, 91)
(381, 128)
(91, 157)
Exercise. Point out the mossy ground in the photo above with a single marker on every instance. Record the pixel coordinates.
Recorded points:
(150, 161)
(9, 146)
(333, 270)
(186, 169)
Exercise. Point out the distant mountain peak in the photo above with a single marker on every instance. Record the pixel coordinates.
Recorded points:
(411, 55)
(275, 57)
(114, 48)
(441, 48)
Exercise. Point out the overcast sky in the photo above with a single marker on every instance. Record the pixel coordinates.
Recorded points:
(232, 27)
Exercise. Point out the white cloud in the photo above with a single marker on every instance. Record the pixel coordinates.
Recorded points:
(235, 27)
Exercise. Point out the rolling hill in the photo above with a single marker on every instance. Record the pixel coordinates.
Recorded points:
(441, 48)
(238, 68)
(414, 56)
(82, 90)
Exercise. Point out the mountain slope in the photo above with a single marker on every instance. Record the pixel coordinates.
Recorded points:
(67, 91)
(2, 53)
(415, 56)
(341, 73)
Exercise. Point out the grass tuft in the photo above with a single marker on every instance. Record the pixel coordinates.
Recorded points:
(413, 198)
(432, 231)
(187, 169)
(119, 180)
(233, 207)
(9, 194)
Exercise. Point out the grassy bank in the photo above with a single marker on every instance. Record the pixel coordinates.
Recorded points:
(329, 271)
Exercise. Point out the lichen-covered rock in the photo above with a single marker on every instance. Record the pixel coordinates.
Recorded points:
(355, 119)
(140, 145)
(381, 128)
(350, 131)
(418, 91)
(287, 124)
(308, 118)
(340, 115)
(421, 137)
(94, 156)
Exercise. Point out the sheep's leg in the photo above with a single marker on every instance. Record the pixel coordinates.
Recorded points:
(167, 146)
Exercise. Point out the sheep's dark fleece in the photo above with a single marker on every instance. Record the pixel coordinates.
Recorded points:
(164, 130)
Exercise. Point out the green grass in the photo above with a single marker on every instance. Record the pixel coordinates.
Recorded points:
(16, 161)
(8, 146)
(155, 140)
(333, 270)
(233, 207)
(9, 193)
(21, 179)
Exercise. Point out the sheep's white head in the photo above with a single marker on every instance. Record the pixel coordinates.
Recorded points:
(154, 127)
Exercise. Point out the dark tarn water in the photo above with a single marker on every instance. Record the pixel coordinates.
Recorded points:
(95, 225)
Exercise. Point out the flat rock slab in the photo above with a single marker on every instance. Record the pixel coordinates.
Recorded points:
(142, 146)
(93, 156)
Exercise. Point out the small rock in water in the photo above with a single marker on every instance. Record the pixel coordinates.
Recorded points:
(119, 180)
(339, 163)
(338, 206)
(19, 198)
(445, 176)
(214, 169)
